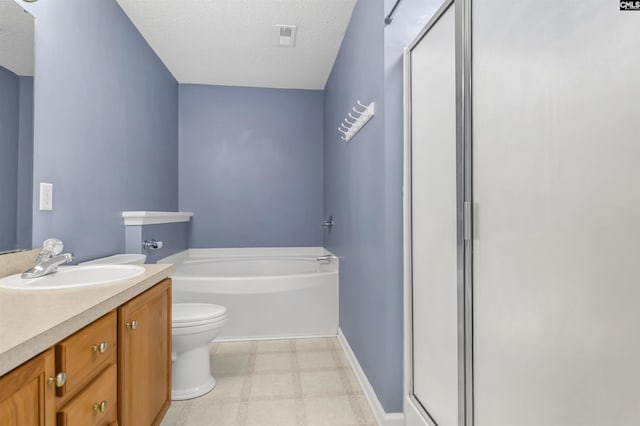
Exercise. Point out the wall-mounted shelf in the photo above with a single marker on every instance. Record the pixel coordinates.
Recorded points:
(154, 218)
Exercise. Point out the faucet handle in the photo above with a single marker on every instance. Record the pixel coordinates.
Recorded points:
(328, 224)
(52, 246)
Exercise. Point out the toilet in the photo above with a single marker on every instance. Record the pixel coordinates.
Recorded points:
(194, 326)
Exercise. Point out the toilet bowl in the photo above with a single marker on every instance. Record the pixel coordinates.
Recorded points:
(194, 325)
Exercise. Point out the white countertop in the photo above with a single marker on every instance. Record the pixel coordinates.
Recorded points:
(33, 321)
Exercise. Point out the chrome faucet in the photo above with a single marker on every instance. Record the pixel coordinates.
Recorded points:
(328, 258)
(49, 259)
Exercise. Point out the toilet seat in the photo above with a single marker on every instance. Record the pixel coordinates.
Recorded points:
(194, 314)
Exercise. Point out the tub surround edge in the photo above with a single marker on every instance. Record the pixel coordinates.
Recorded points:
(245, 251)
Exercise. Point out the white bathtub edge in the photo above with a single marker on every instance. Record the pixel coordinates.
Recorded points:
(382, 417)
(175, 258)
(194, 253)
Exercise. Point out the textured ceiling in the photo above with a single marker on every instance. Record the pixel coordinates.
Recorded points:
(16, 38)
(235, 42)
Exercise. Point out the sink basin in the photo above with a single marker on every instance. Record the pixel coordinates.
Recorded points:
(74, 276)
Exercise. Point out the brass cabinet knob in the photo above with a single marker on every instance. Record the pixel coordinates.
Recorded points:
(100, 406)
(101, 348)
(132, 325)
(59, 380)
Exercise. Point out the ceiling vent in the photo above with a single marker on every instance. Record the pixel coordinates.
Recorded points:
(287, 35)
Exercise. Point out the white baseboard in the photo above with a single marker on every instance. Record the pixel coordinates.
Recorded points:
(383, 418)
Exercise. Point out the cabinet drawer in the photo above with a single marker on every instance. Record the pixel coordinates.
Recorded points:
(96, 405)
(83, 354)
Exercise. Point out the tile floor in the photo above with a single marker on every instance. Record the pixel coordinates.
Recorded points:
(296, 382)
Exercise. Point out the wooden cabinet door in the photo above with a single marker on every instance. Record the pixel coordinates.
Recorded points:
(144, 357)
(26, 396)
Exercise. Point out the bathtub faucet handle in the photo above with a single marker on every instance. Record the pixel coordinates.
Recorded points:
(328, 258)
(152, 245)
(328, 224)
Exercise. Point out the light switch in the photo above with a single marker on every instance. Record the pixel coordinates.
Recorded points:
(46, 196)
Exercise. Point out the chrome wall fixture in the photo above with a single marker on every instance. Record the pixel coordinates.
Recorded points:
(152, 245)
(356, 120)
(328, 224)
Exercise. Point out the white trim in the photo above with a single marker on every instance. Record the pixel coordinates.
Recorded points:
(154, 218)
(413, 415)
(382, 418)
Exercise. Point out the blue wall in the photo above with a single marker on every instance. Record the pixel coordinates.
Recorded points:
(363, 188)
(106, 131)
(354, 177)
(251, 166)
(25, 164)
(9, 130)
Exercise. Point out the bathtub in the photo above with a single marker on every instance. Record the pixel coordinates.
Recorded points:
(269, 293)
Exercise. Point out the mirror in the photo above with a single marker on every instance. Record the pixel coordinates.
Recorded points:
(16, 126)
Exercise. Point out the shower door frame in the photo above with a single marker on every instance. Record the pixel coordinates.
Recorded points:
(464, 138)
(464, 214)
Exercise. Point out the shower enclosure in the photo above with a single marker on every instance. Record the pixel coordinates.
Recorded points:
(521, 206)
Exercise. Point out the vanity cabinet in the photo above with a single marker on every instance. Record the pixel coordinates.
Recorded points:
(27, 396)
(144, 358)
(114, 371)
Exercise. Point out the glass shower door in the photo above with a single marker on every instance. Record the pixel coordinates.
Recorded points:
(556, 175)
(433, 220)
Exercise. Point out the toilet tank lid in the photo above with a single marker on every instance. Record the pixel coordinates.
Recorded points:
(189, 312)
